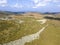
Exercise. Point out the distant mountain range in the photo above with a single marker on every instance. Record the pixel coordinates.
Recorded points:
(9, 13)
(51, 13)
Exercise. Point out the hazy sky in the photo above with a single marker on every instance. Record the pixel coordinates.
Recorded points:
(30, 5)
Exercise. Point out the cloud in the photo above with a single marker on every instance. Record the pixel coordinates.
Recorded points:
(35, 1)
(40, 3)
(3, 3)
(17, 6)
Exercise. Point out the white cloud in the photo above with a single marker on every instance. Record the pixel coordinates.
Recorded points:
(3, 3)
(35, 1)
(17, 6)
(40, 3)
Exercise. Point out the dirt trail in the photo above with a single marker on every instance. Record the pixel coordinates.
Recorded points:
(27, 38)
(42, 21)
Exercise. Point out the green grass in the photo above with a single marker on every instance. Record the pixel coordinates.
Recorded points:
(10, 30)
(50, 36)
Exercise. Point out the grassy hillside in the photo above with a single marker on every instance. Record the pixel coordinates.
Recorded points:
(11, 30)
(50, 36)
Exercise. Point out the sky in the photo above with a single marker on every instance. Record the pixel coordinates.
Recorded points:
(30, 5)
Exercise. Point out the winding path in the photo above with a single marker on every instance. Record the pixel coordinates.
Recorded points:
(42, 21)
(27, 38)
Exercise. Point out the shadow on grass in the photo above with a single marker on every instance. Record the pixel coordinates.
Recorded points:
(52, 18)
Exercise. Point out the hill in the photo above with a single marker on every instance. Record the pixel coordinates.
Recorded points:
(30, 29)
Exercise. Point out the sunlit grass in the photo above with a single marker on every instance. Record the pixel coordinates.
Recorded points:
(50, 36)
(10, 30)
